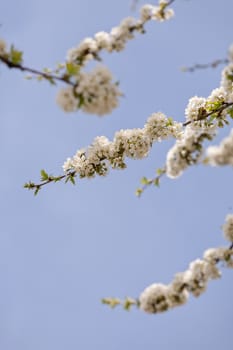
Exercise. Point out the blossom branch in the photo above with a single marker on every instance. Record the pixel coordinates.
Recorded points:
(159, 297)
(187, 154)
(134, 144)
(203, 114)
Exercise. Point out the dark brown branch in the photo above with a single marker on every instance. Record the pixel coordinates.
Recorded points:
(47, 76)
(213, 64)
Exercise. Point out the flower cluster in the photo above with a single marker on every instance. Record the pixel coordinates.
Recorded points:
(116, 40)
(195, 108)
(94, 93)
(131, 143)
(222, 154)
(159, 297)
(158, 13)
(187, 151)
(228, 227)
(227, 81)
(203, 117)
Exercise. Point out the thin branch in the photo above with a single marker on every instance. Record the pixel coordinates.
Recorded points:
(213, 64)
(48, 76)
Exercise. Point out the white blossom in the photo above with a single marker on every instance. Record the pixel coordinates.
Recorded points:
(227, 81)
(116, 40)
(222, 154)
(66, 99)
(154, 298)
(95, 93)
(161, 16)
(185, 152)
(158, 127)
(228, 227)
(103, 41)
(146, 12)
(218, 94)
(194, 107)
(85, 51)
(160, 297)
(131, 143)
(135, 143)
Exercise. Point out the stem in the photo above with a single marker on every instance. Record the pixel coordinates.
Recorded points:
(213, 64)
(47, 76)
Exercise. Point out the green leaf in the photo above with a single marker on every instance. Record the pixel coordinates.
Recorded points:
(16, 56)
(159, 171)
(230, 112)
(156, 181)
(144, 180)
(112, 302)
(36, 190)
(72, 180)
(72, 68)
(81, 101)
(138, 192)
(44, 176)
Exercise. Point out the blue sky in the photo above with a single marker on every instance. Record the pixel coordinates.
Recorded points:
(64, 250)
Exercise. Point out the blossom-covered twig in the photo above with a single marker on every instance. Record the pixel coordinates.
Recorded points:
(159, 297)
(93, 92)
(136, 144)
(188, 149)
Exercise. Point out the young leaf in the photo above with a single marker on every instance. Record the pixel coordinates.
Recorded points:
(44, 175)
(16, 56)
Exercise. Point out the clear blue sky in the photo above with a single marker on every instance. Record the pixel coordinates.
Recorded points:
(64, 250)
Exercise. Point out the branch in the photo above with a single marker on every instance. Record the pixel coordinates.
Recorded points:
(133, 144)
(213, 64)
(159, 297)
(203, 116)
(46, 179)
(65, 78)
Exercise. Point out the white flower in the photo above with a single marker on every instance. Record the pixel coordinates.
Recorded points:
(194, 107)
(222, 154)
(227, 80)
(185, 152)
(66, 100)
(228, 227)
(158, 127)
(218, 94)
(84, 52)
(135, 143)
(99, 94)
(162, 15)
(145, 12)
(154, 298)
(68, 165)
(103, 41)
(95, 93)
(213, 255)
